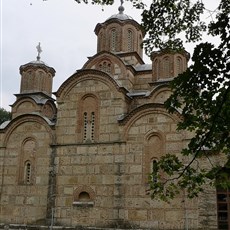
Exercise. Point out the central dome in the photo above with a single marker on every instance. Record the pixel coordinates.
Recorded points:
(120, 15)
(120, 33)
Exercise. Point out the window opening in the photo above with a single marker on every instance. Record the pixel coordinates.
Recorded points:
(28, 173)
(92, 125)
(154, 171)
(156, 69)
(113, 40)
(166, 67)
(84, 196)
(130, 40)
(85, 126)
(105, 66)
(223, 207)
(179, 65)
(89, 126)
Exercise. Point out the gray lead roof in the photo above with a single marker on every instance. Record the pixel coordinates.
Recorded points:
(121, 15)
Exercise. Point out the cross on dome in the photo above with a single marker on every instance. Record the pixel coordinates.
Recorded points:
(121, 7)
(39, 49)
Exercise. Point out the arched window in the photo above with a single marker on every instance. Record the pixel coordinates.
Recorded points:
(106, 66)
(84, 196)
(100, 42)
(156, 69)
(27, 161)
(223, 202)
(153, 151)
(130, 41)
(90, 118)
(154, 175)
(166, 67)
(179, 65)
(113, 40)
(27, 172)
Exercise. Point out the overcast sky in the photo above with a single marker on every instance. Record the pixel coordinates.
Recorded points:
(65, 30)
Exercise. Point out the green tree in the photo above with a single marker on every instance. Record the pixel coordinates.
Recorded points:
(202, 93)
(4, 115)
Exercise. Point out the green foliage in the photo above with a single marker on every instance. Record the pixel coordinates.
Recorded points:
(165, 20)
(202, 93)
(4, 115)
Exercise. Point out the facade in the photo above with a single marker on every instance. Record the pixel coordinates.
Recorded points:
(84, 159)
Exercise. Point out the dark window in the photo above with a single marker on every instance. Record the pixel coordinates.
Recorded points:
(84, 196)
(27, 175)
(223, 207)
(154, 171)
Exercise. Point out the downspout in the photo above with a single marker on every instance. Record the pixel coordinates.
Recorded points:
(51, 195)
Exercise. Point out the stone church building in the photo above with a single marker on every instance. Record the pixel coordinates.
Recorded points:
(82, 160)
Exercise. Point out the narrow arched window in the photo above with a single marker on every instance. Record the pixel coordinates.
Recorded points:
(223, 200)
(92, 125)
(156, 69)
(153, 151)
(166, 67)
(84, 196)
(85, 126)
(154, 171)
(130, 40)
(89, 118)
(113, 39)
(27, 173)
(100, 42)
(179, 65)
(106, 66)
(27, 162)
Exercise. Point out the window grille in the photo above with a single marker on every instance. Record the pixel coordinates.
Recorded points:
(130, 40)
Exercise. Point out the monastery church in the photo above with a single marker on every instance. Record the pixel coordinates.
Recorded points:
(83, 159)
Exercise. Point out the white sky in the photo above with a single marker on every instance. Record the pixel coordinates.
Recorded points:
(65, 30)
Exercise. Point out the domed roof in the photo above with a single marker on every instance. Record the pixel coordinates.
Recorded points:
(120, 15)
(38, 63)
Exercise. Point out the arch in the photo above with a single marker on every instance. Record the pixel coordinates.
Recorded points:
(27, 158)
(106, 66)
(19, 120)
(166, 67)
(156, 69)
(84, 75)
(49, 109)
(130, 40)
(27, 104)
(100, 42)
(179, 65)
(154, 148)
(160, 95)
(84, 196)
(113, 40)
(104, 55)
(144, 110)
(88, 118)
(83, 192)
